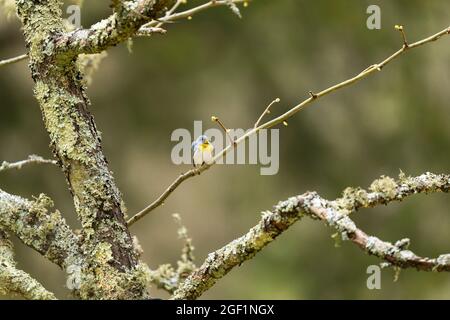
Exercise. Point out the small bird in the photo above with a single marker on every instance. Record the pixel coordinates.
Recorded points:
(202, 150)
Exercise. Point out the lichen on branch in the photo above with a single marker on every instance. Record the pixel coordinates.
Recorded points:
(335, 214)
(15, 281)
(117, 28)
(37, 226)
(102, 261)
(111, 268)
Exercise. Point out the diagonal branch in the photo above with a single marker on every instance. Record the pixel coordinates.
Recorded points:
(37, 227)
(32, 159)
(312, 97)
(334, 214)
(15, 281)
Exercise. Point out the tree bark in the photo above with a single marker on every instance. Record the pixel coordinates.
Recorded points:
(111, 268)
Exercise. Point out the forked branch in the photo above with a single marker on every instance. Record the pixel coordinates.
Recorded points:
(334, 214)
(282, 119)
(142, 17)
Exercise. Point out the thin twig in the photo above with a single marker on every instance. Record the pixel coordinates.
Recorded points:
(148, 31)
(13, 60)
(169, 12)
(282, 118)
(225, 129)
(334, 214)
(266, 111)
(160, 201)
(32, 159)
(400, 28)
(172, 16)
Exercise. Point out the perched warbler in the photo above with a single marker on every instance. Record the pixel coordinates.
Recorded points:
(202, 151)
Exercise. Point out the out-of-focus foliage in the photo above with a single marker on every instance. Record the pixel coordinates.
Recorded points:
(217, 64)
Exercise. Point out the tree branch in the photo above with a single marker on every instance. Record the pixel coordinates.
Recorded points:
(32, 159)
(312, 97)
(174, 16)
(142, 17)
(159, 23)
(13, 60)
(37, 227)
(334, 214)
(117, 28)
(111, 269)
(266, 111)
(15, 281)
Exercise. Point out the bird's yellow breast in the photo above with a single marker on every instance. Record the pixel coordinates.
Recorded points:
(205, 147)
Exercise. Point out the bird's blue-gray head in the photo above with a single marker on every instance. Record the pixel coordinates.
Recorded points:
(200, 140)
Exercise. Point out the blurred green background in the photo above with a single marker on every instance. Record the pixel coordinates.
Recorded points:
(217, 64)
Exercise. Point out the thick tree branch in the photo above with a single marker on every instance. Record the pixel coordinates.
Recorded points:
(131, 18)
(117, 28)
(37, 227)
(334, 214)
(32, 159)
(111, 269)
(15, 281)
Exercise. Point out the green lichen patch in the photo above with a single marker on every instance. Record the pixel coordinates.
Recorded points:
(15, 281)
(102, 253)
(385, 185)
(353, 198)
(105, 282)
(39, 227)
